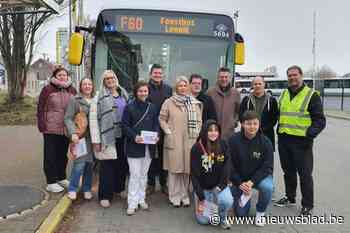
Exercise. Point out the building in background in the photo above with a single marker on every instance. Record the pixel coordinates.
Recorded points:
(38, 75)
(62, 46)
(251, 75)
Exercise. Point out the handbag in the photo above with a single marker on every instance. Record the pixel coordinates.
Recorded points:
(107, 152)
(80, 121)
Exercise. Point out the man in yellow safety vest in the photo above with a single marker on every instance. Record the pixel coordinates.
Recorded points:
(301, 120)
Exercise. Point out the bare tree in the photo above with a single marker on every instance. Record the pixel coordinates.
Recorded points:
(326, 72)
(321, 73)
(17, 41)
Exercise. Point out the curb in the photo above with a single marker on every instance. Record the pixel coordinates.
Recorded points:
(51, 222)
(28, 211)
(337, 116)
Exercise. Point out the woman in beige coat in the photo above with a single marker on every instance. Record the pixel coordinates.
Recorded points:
(181, 120)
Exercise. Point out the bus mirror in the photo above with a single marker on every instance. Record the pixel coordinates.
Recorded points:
(239, 50)
(76, 49)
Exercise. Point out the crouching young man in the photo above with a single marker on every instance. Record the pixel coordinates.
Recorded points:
(252, 166)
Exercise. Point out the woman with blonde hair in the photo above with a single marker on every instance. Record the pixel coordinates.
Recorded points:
(181, 120)
(106, 135)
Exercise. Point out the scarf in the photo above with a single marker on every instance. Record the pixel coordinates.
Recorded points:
(193, 125)
(60, 84)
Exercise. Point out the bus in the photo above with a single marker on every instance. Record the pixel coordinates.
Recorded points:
(129, 41)
(328, 86)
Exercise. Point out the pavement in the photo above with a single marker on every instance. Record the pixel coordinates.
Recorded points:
(22, 153)
(21, 166)
(331, 171)
(345, 115)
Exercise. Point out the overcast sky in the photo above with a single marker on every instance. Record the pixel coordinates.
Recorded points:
(276, 32)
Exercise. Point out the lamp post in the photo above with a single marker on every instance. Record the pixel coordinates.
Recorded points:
(235, 17)
(235, 21)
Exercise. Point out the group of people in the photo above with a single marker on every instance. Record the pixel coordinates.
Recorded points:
(193, 144)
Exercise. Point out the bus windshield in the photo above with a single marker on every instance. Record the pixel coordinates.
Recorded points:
(132, 50)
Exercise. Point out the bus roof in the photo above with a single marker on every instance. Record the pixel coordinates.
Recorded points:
(114, 6)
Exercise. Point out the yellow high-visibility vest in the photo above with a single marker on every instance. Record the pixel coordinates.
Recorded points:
(294, 115)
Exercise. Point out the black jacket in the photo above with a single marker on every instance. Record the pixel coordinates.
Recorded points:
(318, 119)
(209, 111)
(132, 114)
(269, 116)
(250, 159)
(206, 177)
(158, 94)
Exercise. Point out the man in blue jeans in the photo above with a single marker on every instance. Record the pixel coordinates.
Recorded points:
(252, 167)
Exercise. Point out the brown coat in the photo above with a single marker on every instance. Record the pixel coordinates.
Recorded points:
(177, 144)
(227, 109)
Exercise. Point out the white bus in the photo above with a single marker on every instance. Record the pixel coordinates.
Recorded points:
(275, 86)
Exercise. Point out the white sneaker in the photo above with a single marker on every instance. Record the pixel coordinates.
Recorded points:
(72, 195)
(54, 188)
(105, 203)
(225, 225)
(186, 202)
(63, 183)
(87, 195)
(130, 211)
(144, 206)
(260, 219)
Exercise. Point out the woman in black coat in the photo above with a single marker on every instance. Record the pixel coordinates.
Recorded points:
(139, 115)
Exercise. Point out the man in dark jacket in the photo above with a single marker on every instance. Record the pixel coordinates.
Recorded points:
(301, 120)
(265, 105)
(158, 93)
(252, 167)
(209, 112)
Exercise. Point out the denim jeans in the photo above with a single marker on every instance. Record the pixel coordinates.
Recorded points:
(224, 201)
(265, 188)
(80, 168)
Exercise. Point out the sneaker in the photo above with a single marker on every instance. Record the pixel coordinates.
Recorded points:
(284, 201)
(176, 204)
(225, 225)
(150, 189)
(105, 203)
(306, 211)
(54, 188)
(87, 195)
(72, 195)
(130, 211)
(186, 202)
(63, 183)
(260, 219)
(144, 206)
